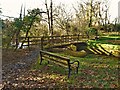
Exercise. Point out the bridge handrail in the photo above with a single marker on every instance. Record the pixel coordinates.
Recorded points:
(44, 40)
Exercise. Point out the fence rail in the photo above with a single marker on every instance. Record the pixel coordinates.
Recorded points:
(48, 41)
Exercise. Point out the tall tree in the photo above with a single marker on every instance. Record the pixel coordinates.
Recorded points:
(8, 32)
(91, 13)
(62, 18)
(29, 20)
(0, 10)
(49, 17)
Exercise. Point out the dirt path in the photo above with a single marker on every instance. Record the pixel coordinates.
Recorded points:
(16, 64)
(17, 72)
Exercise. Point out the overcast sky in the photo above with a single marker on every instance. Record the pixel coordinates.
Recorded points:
(12, 7)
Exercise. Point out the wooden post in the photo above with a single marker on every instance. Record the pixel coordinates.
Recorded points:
(17, 43)
(28, 43)
(41, 58)
(78, 37)
(69, 69)
(42, 39)
(77, 67)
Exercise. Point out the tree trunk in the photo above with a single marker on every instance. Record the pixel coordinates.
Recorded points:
(48, 14)
(28, 31)
(51, 20)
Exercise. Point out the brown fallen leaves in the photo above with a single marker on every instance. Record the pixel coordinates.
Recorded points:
(89, 77)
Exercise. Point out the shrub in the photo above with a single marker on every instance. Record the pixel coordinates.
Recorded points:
(92, 31)
(118, 27)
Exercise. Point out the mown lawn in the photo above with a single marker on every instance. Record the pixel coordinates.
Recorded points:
(95, 71)
(114, 40)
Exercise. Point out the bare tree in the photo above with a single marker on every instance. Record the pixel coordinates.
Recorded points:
(62, 18)
(50, 16)
(92, 13)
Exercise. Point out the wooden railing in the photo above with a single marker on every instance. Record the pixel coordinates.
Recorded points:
(48, 41)
(30, 41)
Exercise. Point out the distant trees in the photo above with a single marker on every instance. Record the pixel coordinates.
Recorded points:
(92, 13)
(62, 19)
(12, 30)
(117, 28)
(88, 16)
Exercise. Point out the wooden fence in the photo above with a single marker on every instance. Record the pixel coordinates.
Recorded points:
(49, 41)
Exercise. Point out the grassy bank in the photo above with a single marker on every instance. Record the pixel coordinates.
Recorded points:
(95, 71)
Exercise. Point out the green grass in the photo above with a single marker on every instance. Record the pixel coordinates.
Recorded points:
(111, 44)
(95, 71)
(54, 68)
(105, 39)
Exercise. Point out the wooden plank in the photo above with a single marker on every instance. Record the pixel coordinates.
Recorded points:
(55, 60)
(56, 56)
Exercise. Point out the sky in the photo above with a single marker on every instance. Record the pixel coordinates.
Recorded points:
(12, 7)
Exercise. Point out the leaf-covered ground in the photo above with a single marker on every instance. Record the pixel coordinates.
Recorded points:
(95, 71)
(14, 64)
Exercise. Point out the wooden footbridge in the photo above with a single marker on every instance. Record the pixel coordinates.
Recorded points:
(46, 42)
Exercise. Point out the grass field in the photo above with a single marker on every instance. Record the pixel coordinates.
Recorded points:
(109, 45)
(95, 71)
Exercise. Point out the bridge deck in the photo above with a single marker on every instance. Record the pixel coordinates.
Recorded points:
(61, 45)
